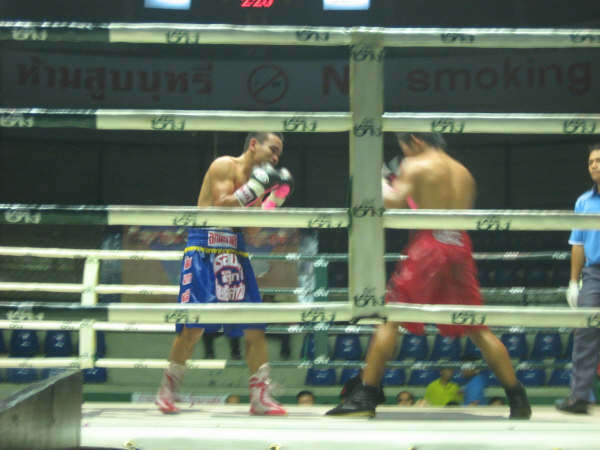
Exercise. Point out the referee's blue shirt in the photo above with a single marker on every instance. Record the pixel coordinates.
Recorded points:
(588, 202)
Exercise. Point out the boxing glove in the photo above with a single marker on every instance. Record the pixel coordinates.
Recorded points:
(262, 179)
(281, 191)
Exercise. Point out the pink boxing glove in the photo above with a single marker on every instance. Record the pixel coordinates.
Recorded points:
(280, 192)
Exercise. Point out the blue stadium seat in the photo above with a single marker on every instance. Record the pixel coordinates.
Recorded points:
(21, 375)
(347, 373)
(483, 273)
(58, 343)
(320, 377)
(393, 376)
(492, 380)
(95, 375)
(471, 351)
(458, 378)
(530, 376)
(501, 241)
(537, 276)
(569, 348)
(422, 377)
(516, 344)
(561, 275)
(560, 377)
(100, 344)
(546, 345)
(23, 343)
(2, 345)
(414, 346)
(308, 347)
(445, 347)
(51, 371)
(347, 347)
(506, 276)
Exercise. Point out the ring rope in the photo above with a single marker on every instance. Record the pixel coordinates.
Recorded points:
(133, 363)
(197, 34)
(323, 258)
(301, 313)
(185, 120)
(315, 218)
(155, 289)
(44, 325)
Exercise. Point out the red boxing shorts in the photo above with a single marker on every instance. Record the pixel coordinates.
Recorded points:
(439, 270)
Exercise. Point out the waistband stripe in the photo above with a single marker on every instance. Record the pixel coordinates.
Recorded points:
(196, 248)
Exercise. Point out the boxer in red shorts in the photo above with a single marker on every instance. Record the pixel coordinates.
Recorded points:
(439, 269)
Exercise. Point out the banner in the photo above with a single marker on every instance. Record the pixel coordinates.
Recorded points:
(565, 80)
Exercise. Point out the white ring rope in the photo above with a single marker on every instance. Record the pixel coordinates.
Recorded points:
(325, 218)
(200, 34)
(313, 122)
(305, 313)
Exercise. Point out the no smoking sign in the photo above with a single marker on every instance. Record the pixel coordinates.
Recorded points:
(267, 84)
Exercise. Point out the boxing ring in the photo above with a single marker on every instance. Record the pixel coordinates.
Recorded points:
(142, 426)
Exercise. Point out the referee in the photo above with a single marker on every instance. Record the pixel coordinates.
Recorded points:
(585, 262)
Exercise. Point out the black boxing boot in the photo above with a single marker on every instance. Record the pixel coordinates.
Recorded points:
(360, 402)
(355, 381)
(518, 402)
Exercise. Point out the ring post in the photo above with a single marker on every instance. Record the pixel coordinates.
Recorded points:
(89, 297)
(366, 236)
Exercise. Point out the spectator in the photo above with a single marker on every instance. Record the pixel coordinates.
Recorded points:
(305, 398)
(405, 398)
(474, 390)
(232, 398)
(443, 392)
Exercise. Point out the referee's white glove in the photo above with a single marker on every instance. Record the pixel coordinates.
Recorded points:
(573, 293)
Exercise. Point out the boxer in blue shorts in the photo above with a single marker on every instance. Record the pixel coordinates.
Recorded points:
(215, 265)
(215, 269)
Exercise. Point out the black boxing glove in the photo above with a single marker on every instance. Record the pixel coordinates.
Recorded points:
(263, 178)
(281, 191)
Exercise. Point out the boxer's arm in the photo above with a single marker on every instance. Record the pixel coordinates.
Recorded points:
(222, 186)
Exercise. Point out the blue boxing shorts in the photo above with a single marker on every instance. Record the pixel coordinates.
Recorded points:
(216, 269)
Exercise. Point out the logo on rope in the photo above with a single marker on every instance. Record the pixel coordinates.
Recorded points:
(22, 217)
(182, 37)
(317, 315)
(181, 317)
(447, 126)
(360, 53)
(167, 123)
(581, 38)
(368, 297)
(493, 223)
(457, 38)
(29, 34)
(311, 35)
(16, 121)
(593, 321)
(579, 126)
(322, 221)
(188, 220)
(300, 124)
(367, 208)
(23, 314)
(367, 126)
(468, 318)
